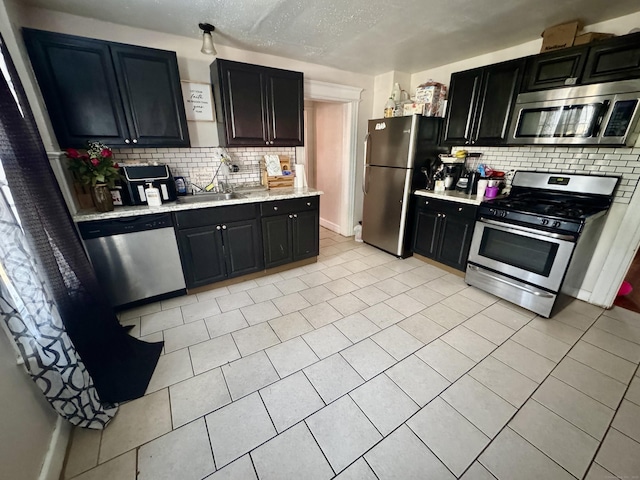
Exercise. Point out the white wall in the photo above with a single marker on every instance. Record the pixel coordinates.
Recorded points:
(383, 87)
(27, 421)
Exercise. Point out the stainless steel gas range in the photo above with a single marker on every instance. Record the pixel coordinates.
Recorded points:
(537, 242)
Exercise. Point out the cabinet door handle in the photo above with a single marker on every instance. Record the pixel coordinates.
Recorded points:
(266, 143)
(443, 215)
(275, 208)
(460, 209)
(427, 202)
(308, 204)
(218, 227)
(126, 140)
(135, 140)
(224, 227)
(271, 142)
(290, 216)
(295, 215)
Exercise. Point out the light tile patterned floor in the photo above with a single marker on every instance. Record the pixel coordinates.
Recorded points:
(364, 366)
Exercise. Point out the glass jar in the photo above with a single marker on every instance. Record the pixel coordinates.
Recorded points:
(102, 197)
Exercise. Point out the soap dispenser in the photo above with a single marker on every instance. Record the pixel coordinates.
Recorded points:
(153, 196)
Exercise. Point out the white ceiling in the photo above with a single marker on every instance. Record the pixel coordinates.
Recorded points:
(365, 36)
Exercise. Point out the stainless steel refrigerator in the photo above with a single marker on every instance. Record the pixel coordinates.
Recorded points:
(395, 151)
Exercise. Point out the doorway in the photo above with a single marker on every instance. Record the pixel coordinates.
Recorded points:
(631, 300)
(325, 132)
(331, 117)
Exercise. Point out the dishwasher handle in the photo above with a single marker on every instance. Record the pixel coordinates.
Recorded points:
(118, 226)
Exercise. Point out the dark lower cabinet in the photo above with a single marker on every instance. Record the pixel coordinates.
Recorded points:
(290, 230)
(202, 254)
(219, 243)
(443, 231)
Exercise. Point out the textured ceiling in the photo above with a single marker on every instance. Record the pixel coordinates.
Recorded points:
(366, 36)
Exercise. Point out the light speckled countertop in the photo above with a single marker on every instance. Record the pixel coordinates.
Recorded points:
(249, 196)
(451, 195)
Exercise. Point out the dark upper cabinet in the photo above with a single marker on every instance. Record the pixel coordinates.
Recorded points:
(118, 94)
(443, 231)
(463, 98)
(603, 61)
(555, 69)
(480, 104)
(615, 59)
(257, 106)
(150, 88)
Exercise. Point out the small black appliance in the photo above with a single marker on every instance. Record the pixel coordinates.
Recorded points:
(135, 179)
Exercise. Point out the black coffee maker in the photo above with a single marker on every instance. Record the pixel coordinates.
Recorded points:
(451, 174)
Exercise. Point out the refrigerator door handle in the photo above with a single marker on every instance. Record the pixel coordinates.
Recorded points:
(364, 168)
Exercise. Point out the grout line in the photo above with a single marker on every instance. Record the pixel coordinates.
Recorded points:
(396, 361)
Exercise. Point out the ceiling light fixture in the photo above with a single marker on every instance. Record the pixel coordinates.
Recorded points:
(207, 39)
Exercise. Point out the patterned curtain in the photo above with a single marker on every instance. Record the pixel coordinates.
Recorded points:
(35, 325)
(68, 335)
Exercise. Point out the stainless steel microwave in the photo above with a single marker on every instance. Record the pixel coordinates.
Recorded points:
(599, 114)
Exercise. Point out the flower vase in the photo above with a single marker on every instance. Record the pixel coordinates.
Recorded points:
(102, 197)
(83, 196)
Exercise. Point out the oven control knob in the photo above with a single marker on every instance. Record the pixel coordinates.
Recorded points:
(503, 213)
(556, 224)
(492, 211)
(544, 221)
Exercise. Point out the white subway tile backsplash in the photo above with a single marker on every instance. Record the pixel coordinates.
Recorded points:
(183, 160)
(624, 162)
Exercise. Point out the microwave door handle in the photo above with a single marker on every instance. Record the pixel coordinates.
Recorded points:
(603, 111)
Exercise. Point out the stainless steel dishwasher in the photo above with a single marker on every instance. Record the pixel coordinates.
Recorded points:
(135, 258)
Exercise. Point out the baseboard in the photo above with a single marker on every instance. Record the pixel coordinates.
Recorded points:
(334, 227)
(54, 459)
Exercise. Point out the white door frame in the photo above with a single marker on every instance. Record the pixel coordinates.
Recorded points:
(316, 90)
(621, 254)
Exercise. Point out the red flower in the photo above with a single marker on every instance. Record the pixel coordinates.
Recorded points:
(106, 153)
(115, 165)
(95, 162)
(72, 153)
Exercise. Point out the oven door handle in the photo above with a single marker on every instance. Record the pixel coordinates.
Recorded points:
(511, 226)
(537, 293)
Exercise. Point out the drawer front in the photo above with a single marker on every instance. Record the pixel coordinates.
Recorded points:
(280, 207)
(450, 208)
(214, 215)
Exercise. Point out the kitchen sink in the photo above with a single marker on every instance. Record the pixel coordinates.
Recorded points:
(209, 197)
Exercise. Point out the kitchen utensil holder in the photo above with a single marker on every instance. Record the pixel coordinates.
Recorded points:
(277, 181)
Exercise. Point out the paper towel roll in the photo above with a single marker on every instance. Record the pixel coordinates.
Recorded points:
(300, 180)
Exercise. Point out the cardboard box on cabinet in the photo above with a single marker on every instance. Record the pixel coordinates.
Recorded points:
(560, 36)
(591, 37)
(432, 95)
